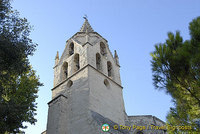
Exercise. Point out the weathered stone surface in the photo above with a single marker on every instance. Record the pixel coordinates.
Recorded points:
(58, 109)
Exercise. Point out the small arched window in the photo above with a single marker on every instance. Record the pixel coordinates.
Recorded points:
(109, 68)
(98, 61)
(76, 62)
(103, 48)
(71, 49)
(65, 70)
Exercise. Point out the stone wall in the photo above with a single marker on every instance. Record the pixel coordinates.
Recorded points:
(106, 100)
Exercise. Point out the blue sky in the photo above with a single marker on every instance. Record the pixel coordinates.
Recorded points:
(132, 27)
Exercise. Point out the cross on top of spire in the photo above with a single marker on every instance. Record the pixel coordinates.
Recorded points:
(85, 16)
(86, 27)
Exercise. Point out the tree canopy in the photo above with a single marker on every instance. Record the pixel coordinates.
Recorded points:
(176, 69)
(18, 81)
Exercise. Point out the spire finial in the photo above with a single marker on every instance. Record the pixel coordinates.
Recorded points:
(85, 16)
(57, 55)
(86, 26)
(116, 56)
(57, 59)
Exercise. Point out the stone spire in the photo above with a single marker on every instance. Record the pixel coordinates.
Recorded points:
(57, 58)
(116, 58)
(86, 27)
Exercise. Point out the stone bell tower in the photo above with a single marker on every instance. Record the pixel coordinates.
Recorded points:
(87, 88)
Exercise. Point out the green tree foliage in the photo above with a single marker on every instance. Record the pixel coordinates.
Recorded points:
(18, 101)
(176, 69)
(18, 82)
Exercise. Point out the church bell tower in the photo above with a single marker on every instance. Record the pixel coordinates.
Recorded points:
(87, 88)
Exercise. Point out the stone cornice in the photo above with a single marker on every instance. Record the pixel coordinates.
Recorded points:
(85, 33)
(60, 95)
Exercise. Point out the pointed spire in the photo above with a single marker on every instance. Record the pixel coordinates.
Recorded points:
(116, 58)
(57, 59)
(86, 27)
(57, 56)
